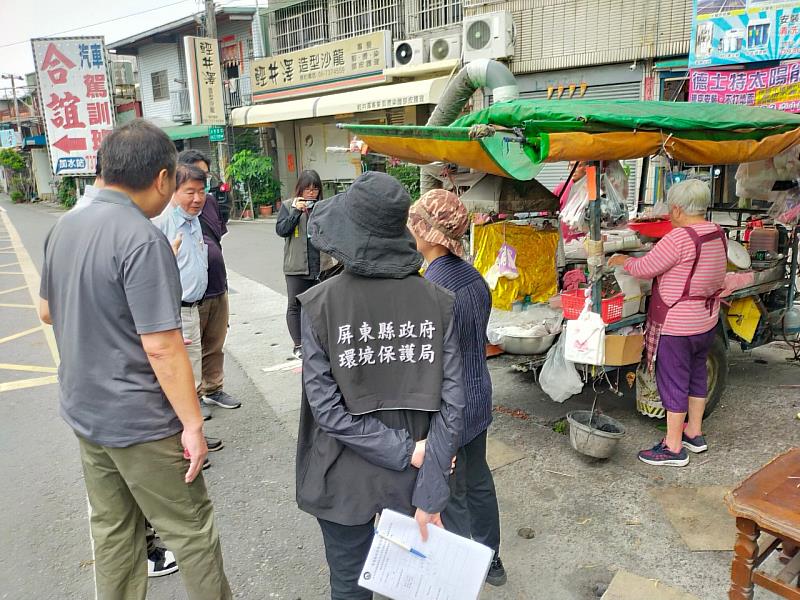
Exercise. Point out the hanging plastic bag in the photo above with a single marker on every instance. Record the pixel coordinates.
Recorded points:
(616, 177)
(559, 378)
(586, 339)
(754, 180)
(506, 262)
(574, 211)
(613, 206)
(786, 207)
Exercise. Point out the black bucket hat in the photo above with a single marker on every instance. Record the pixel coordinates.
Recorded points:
(365, 229)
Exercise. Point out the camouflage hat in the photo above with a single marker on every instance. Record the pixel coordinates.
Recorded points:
(439, 217)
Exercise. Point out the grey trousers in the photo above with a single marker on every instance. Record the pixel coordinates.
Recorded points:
(472, 511)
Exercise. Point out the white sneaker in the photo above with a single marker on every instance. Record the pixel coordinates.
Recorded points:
(160, 562)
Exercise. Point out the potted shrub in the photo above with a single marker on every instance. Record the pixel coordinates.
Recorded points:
(254, 173)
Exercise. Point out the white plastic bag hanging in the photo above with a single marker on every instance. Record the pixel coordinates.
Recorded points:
(572, 215)
(506, 262)
(559, 378)
(586, 338)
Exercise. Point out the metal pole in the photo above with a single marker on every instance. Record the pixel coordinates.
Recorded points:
(596, 236)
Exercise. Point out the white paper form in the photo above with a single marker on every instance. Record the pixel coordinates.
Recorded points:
(455, 568)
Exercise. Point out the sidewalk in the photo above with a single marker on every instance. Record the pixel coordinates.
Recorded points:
(591, 518)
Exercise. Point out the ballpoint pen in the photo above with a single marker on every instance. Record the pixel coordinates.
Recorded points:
(400, 544)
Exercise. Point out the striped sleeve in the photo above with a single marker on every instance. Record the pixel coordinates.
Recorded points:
(660, 259)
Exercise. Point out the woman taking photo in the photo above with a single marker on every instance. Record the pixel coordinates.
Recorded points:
(689, 266)
(301, 260)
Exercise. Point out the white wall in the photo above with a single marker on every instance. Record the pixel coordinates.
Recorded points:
(153, 58)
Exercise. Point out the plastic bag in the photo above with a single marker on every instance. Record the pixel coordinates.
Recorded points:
(586, 339)
(559, 378)
(754, 180)
(787, 164)
(613, 206)
(506, 262)
(574, 211)
(617, 178)
(786, 208)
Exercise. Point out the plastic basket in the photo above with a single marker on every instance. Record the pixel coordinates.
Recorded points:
(573, 302)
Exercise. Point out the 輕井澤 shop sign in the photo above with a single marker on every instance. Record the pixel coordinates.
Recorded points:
(726, 32)
(773, 87)
(76, 100)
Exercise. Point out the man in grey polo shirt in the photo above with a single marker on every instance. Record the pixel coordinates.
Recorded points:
(111, 288)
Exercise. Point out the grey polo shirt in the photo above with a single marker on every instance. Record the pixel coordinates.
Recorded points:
(109, 276)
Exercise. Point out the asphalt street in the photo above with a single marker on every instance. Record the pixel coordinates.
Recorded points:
(590, 519)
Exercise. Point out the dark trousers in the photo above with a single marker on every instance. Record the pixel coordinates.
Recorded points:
(472, 510)
(346, 549)
(295, 285)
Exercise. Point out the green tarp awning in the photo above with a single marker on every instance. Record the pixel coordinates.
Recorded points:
(186, 132)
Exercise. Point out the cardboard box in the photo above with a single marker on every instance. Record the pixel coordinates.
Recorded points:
(624, 349)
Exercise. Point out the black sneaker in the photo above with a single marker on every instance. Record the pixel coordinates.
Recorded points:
(160, 562)
(497, 573)
(222, 399)
(214, 444)
(206, 464)
(696, 444)
(298, 352)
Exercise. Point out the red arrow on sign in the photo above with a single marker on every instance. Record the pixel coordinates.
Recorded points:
(68, 144)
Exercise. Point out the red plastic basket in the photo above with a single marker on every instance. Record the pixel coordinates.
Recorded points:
(573, 302)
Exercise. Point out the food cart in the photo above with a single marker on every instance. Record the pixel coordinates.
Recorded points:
(514, 138)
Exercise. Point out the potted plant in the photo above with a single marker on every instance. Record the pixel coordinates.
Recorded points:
(254, 172)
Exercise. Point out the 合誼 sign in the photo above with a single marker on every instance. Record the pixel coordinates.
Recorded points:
(341, 64)
(726, 32)
(76, 100)
(205, 81)
(773, 87)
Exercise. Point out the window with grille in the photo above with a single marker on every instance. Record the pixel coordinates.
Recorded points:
(299, 26)
(431, 14)
(357, 17)
(160, 84)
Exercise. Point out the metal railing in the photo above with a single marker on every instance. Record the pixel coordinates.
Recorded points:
(181, 110)
(237, 92)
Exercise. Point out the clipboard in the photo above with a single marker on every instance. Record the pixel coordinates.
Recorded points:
(454, 567)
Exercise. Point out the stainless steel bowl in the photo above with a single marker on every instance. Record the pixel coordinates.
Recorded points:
(527, 345)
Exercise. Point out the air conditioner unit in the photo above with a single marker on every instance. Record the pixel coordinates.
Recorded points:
(445, 48)
(490, 35)
(122, 73)
(410, 52)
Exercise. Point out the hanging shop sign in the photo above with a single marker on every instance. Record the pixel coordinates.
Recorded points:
(205, 81)
(76, 100)
(726, 32)
(773, 87)
(348, 63)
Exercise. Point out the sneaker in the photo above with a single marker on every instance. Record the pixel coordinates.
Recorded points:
(497, 573)
(206, 464)
(205, 411)
(298, 352)
(222, 399)
(214, 444)
(160, 562)
(696, 444)
(660, 455)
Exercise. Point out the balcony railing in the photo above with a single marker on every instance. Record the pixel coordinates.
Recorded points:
(237, 92)
(181, 111)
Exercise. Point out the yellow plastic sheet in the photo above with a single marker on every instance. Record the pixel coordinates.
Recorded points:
(743, 317)
(536, 261)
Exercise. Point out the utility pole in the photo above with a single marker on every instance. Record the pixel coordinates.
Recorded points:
(211, 19)
(12, 77)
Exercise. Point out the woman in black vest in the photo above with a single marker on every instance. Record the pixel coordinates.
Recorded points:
(301, 260)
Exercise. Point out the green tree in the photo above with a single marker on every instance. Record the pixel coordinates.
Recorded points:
(13, 160)
(254, 172)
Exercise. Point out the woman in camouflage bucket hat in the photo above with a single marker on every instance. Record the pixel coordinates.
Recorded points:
(438, 221)
(440, 218)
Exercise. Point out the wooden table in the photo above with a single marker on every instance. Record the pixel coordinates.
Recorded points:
(767, 510)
